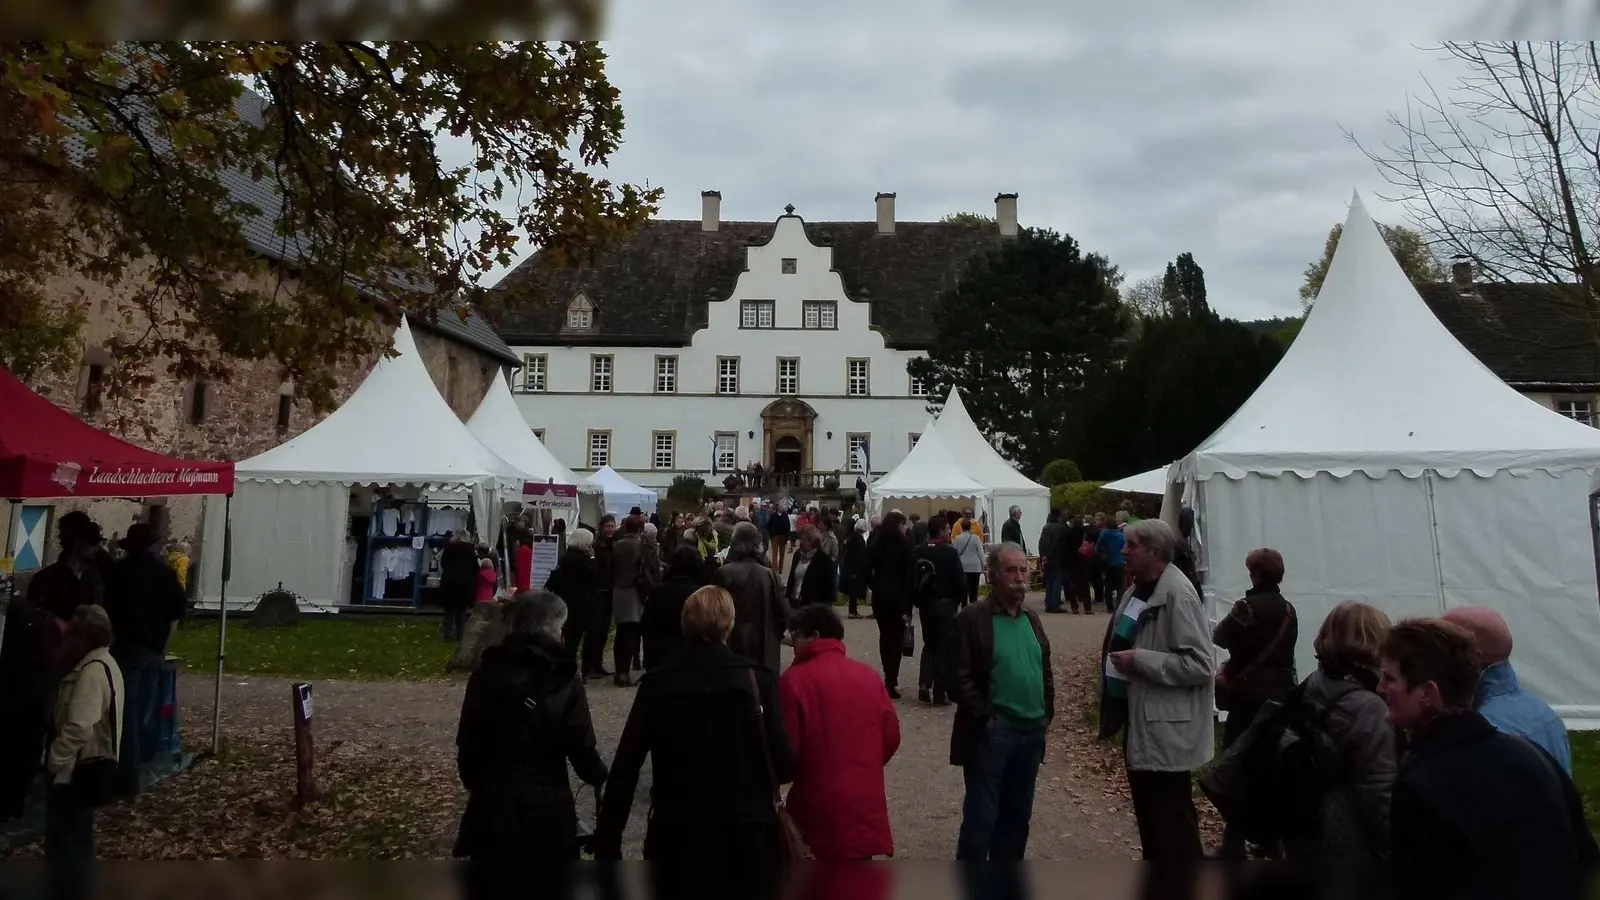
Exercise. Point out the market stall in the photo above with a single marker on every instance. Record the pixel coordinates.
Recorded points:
(499, 424)
(355, 510)
(927, 480)
(621, 494)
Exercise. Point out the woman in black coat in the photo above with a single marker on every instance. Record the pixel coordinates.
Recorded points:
(816, 584)
(574, 581)
(702, 717)
(458, 583)
(661, 626)
(853, 567)
(524, 718)
(889, 576)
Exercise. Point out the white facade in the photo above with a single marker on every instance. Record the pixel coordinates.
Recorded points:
(787, 333)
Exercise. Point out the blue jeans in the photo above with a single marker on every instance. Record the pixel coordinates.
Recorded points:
(1055, 585)
(141, 683)
(1000, 778)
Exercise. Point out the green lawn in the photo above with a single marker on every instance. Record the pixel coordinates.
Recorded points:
(1586, 773)
(351, 647)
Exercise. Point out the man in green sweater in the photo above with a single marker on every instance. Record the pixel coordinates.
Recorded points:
(1004, 692)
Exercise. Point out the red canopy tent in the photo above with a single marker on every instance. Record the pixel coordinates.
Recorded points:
(47, 453)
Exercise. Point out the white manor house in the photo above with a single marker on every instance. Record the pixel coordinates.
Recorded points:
(699, 347)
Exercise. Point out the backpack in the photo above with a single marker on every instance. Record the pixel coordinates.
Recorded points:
(1269, 785)
(924, 583)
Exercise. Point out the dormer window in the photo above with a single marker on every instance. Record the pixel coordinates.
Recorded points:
(580, 314)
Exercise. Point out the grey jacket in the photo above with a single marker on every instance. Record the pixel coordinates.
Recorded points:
(760, 611)
(1355, 749)
(1170, 726)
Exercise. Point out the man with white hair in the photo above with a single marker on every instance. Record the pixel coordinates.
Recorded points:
(1158, 683)
(1011, 531)
(1500, 697)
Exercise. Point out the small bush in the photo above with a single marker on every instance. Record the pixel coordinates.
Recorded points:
(686, 488)
(1081, 498)
(1060, 471)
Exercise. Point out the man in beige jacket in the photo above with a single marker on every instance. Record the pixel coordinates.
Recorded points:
(87, 724)
(1159, 667)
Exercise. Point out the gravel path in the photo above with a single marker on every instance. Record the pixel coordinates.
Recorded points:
(1080, 811)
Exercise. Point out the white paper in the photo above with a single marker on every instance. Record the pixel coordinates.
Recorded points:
(1134, 608)
(1111, 671)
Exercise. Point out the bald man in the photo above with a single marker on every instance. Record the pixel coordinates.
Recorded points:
(1501, 699)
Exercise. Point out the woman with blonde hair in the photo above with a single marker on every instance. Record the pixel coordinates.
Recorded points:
(710, 722)
(1353, 744)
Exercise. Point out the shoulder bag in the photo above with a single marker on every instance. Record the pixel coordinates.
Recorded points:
(94, 780)
(791, 843)
(1223, 691)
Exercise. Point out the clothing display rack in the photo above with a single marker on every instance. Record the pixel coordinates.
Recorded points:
(404, 541)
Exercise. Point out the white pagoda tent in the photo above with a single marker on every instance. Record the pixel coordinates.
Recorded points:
(981, 462)
(500, 426)
(291, 505)
(929, 472)
(1151, 482)
(622, 494)
(1391, 467)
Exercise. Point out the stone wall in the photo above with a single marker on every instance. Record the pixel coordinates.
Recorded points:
(235, 420)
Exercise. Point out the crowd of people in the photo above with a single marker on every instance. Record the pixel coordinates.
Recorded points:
(80, 680)
(1410, 751)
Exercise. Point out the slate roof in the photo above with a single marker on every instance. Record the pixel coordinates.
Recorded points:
(653, 287)
(473, 331)
(1534, 336)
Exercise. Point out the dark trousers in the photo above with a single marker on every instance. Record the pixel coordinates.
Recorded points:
(1000, 779)
(855, 604)
(891, 636)
(1055, 583)
(594, 642)
(1097, 586)
(626, 647)
(68, 843)
(1169, 826)
(1239, 719)
(1078, 589)
(972, 587)
(937, 627)
(455, 622)
(1113, 590)
(141, 688)
(576, 628)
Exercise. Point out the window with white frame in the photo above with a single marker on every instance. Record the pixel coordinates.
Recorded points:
(727, 451)
(534, 367)
(580, 314)
(919, 387)
(755, 314)
(857, 450)
(600, 374)
(666, 374)
(727, 374)
(821, 314)
(665, 452)
(539, 433)
(599, 449)
(857, 378)
(1572, 408)
(788, 375)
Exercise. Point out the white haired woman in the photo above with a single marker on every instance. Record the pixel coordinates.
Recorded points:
(524, 718)
(86, 731)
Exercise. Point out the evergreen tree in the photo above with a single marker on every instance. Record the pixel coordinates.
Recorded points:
(1029, 324)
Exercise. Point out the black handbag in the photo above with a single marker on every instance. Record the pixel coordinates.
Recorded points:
(95, 780)
(908, 643)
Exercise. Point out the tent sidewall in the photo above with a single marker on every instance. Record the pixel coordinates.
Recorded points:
(1520, 543)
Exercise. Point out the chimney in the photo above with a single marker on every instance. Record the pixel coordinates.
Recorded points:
(710, 210)
(885, 213)
(1461, 271)
(1005, 213)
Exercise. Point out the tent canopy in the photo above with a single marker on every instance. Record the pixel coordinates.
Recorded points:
(1151, 482)
(1375, 383)
(500, 426)
(394, 430)
(622, 494)
(929, 470)
(981, 462)
(47, 452)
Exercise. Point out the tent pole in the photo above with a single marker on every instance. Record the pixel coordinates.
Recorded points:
(222, 625)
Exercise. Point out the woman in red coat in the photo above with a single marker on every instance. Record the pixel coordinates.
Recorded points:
(844, 730)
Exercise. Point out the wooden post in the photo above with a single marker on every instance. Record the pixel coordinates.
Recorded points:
(305, 774)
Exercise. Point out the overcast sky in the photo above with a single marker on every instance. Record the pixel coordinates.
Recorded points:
(1142, 129)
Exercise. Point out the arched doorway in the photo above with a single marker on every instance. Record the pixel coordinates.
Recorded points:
(788, 456)
(786, 435)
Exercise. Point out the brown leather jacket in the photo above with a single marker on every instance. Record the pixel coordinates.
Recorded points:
(971, 660)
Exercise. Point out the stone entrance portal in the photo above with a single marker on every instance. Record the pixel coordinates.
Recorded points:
(786, 435)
